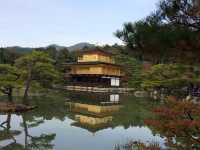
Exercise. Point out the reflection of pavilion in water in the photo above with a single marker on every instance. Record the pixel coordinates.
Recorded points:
(93, 112)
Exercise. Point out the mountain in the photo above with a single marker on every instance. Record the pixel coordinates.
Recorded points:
(19, 49)
(75, 47)
(58, 47)
(80, 46)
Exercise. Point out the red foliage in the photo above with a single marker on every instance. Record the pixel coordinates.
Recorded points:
(178, 119)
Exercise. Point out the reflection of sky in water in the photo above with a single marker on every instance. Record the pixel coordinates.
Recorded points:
(74, 138)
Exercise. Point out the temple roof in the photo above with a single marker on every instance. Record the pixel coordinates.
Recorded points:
(96, 50)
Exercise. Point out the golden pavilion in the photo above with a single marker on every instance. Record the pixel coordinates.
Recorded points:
(95, 68)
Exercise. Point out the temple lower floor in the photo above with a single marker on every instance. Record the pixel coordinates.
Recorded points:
(98, 81)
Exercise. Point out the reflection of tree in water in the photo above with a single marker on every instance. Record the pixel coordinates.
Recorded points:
(36, 142)
(13, 146)
(134, 112)
(34, 118)
(42, 142)
(6, 133)
(47, 108)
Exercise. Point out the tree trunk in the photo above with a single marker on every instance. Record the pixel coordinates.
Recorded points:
(8, 121)
(27, 86)
(10, 95)
(25, 131)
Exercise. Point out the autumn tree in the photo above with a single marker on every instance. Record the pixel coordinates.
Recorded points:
(36, 67)
(179, 122)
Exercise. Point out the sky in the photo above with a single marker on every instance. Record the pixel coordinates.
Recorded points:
(35, 23)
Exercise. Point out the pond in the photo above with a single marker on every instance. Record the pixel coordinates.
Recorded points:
(79, 121)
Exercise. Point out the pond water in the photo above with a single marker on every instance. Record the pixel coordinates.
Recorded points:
(79, 121)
